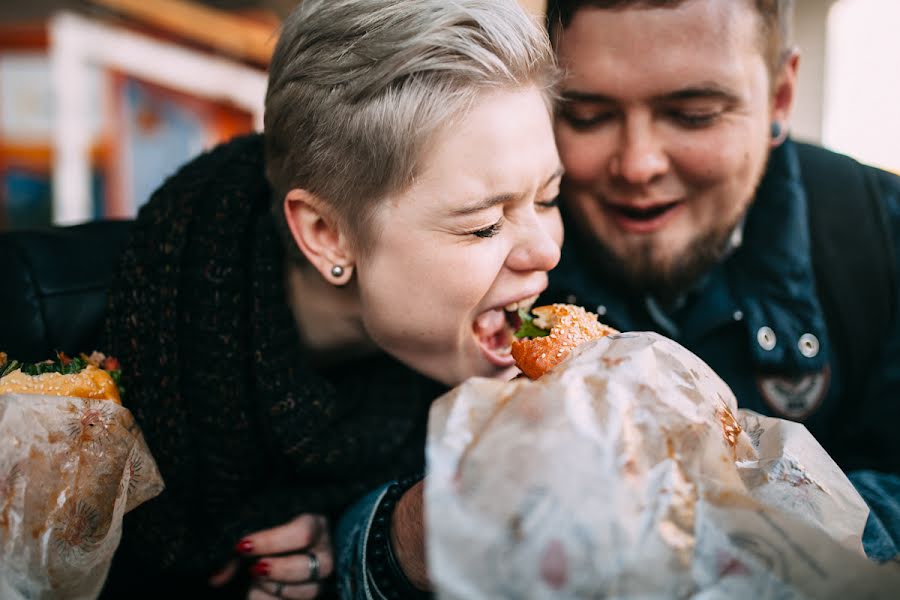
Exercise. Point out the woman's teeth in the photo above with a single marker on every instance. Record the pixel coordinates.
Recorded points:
(525, 304)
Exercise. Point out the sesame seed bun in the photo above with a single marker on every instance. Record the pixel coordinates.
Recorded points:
(569, 326)
(90, 383)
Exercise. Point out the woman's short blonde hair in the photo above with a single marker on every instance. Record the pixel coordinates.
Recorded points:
(358, 88)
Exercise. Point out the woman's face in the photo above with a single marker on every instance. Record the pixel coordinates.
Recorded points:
(475, 233)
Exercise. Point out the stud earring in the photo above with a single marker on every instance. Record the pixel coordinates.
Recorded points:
(337, 271)
(775, 130)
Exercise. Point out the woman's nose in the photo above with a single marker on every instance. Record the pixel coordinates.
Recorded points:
(537, 250)
(640, 157)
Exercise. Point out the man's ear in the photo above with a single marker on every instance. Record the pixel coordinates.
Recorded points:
(318, 235)
(784, 92)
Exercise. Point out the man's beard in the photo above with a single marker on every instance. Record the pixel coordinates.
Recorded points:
(642, 273)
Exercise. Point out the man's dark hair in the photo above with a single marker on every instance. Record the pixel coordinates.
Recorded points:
(776, 20)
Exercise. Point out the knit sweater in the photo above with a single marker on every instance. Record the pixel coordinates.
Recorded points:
(245, 432)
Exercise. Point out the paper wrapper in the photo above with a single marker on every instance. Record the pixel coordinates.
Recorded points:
(69, 470)
(628, 472)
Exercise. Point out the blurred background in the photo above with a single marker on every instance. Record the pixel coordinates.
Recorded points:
(101, 100)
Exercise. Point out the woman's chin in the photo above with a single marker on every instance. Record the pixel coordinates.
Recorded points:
(475, 360)
(508, 374)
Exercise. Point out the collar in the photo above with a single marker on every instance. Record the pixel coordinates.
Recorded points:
(771, 275)
(575, 281)
(765, 283)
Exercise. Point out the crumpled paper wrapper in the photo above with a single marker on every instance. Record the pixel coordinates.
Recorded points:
(69, 470)
(629, 472)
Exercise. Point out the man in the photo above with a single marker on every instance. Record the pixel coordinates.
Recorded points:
(688, 212)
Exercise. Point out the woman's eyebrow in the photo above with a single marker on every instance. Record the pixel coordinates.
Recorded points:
(487, 203)
(481, 205)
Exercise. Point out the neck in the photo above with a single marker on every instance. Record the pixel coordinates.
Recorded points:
(328, 317)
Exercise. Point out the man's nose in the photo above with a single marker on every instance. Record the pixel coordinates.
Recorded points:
(640, 156)
(537, 250)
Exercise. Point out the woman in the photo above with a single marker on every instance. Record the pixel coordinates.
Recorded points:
(289, 305)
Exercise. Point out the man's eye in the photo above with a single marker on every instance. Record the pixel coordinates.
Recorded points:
(583, 120)
(693, 120)
(489, 231)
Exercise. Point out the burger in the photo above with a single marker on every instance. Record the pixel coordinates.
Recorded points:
(93, 377)
(547, 335)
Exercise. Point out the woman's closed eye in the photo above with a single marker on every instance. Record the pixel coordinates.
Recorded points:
(489, 231)
(551, 203)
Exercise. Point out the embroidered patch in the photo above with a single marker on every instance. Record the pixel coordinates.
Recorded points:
(795, 397)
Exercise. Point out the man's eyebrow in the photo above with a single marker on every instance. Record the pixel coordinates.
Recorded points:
(487, 203)
(707, 90)
(576, 96)
(704, 90)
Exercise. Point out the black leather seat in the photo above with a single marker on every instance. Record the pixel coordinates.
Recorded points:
(53, 295)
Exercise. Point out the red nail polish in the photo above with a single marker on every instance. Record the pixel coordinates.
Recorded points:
(260, 569)
(245, 546)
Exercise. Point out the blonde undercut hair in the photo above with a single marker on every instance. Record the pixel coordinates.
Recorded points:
(358, 88)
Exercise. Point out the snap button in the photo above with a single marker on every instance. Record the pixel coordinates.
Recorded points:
(809, 345)
(738, 315)
(601, 310)
(766, 338)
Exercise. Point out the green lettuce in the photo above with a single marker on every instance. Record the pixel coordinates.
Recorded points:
(528, 329)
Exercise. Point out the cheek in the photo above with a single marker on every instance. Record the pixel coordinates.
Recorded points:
(400, 316)
(715, 159)
(426, 292)
(582, 155)
(555, 228)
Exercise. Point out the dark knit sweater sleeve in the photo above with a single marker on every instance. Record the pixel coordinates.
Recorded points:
(245, 435)
(148, 317)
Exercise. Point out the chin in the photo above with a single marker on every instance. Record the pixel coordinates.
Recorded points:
(483, 368)
(507, 374)
(501, 373)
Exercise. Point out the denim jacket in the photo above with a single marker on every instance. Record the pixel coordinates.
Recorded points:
(352, 533)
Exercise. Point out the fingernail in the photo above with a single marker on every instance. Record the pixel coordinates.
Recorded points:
(260, 569)
(245, 546)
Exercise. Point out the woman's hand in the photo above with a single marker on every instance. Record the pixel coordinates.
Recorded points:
(292, 559)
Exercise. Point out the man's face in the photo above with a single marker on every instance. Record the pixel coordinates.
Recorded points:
(663, 132)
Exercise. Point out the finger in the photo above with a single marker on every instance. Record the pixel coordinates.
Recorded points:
(292, 591)
(323, 542)
(224, 576)
(295, 568)
(257, 593)
(302, 532)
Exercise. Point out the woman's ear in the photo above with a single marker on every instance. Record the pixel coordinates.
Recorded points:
(318, 235)
(784, 92)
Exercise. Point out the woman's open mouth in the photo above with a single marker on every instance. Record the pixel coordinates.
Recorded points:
(494, 329)
(643, 219)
